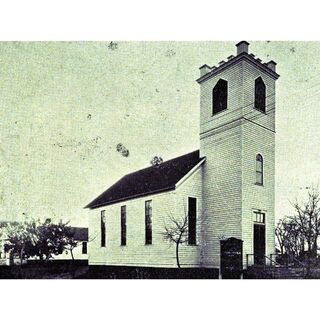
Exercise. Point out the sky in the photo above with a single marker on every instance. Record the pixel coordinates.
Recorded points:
(66, 105)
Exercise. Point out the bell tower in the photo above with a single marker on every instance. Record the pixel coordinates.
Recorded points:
(237, 137)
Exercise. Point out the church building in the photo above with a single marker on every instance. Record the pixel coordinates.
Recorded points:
(226, 189)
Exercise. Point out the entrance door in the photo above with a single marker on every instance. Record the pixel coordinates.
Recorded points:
(259, 244)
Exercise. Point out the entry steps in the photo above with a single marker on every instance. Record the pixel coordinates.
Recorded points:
(274, 272)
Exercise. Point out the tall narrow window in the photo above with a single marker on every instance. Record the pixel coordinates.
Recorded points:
(260, 95)
(220, 96)
(84, 247)
(259, 169)
(103, 228)
(123, 226)
(192, 221)
(148, 221)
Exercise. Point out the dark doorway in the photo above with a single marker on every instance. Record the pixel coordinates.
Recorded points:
(259, 243)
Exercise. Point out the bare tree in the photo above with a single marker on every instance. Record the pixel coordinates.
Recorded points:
(71, 243)
(297, 235)
(307, 220)
(280, 236)
(290, 240)
(177, 232)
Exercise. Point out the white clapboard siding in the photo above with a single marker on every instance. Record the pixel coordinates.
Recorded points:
(136, 253)
(230, 144)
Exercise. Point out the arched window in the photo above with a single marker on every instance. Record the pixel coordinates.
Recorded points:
(259, 169)
(219, 96)
(260, 95)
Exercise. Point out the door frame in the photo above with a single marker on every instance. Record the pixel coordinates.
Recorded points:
(259, 219)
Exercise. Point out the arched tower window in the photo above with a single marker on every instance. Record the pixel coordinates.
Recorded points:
(259, 169)
(219, 96)
(260, 95)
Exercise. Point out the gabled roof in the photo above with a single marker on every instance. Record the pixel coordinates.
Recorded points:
(80, 234)
(151, 180)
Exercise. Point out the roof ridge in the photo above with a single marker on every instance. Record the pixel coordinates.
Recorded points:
(160, 163)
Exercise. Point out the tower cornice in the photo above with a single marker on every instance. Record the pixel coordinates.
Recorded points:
(241, 57)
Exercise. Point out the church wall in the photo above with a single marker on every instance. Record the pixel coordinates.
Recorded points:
(192, 187)
(221, 192)
(220, 142)
(258, 138)
(136, 253)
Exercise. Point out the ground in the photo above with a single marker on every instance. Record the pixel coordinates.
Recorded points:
(81, 270)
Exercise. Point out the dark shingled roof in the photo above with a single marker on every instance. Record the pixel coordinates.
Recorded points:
(154, 179)
(80, 234)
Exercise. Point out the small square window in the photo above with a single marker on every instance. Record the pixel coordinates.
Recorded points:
(259, 217)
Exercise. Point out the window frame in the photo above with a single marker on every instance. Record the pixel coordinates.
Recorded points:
(192, 236)
(260, 214)
(219, 83)
(257, 96)
(260, 162)
(84, 247)
(123, 225)
(103, 233)
(148, 222)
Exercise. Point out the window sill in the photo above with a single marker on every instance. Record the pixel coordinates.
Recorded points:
(259, 184)
(213, 115)
(264, 112)
(193, 245)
